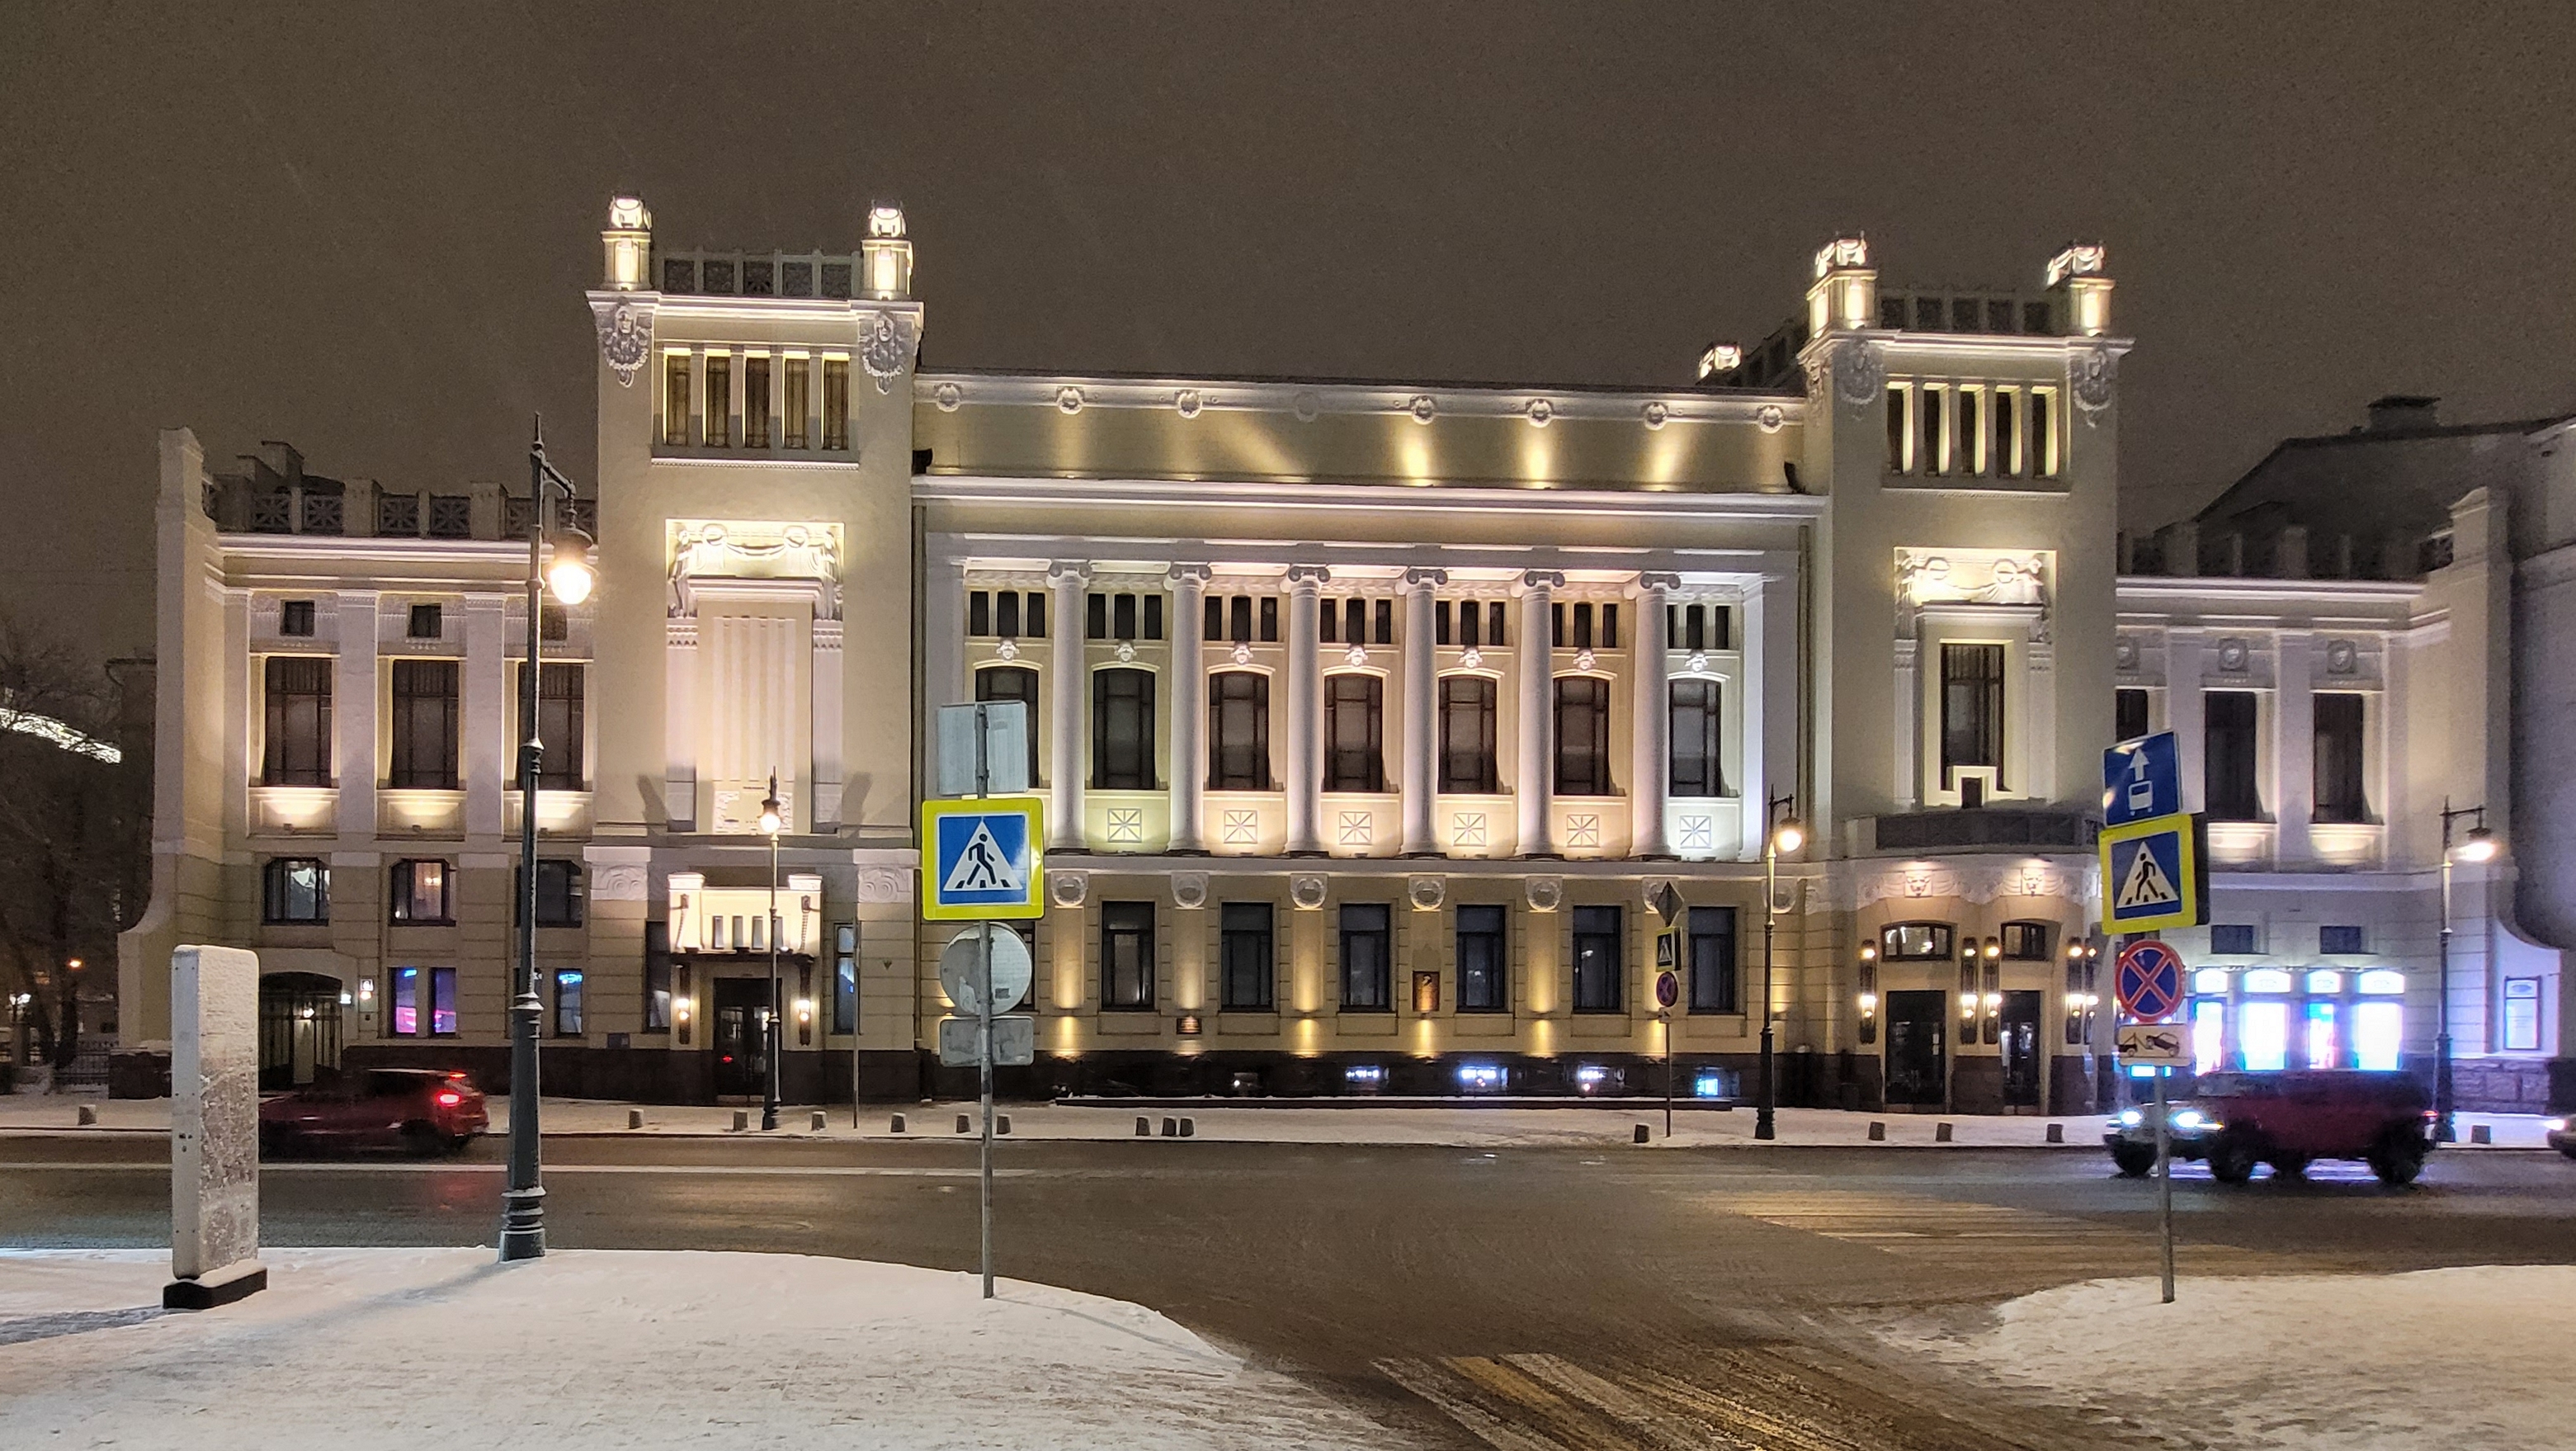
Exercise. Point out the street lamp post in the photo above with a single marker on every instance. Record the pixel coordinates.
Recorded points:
(773, 817)
(523, 1200)
(1779, 834)
(2476, 845)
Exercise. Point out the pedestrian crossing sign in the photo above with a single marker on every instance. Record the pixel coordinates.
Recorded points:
(982, 858)
(2154, 874)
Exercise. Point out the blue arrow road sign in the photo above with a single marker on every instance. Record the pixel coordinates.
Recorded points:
(2140, 779)
(2149, 982)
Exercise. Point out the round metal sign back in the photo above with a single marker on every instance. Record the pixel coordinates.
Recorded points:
(1012, 971)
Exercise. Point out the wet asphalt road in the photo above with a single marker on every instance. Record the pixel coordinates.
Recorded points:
(1530, 1298)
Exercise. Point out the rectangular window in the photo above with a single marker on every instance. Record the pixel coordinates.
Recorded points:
(1967, 430)
(657, 976)
(1440, 628)
(419, 896)
(424, 726)
(1006, 614)
(1238, 617)
(568, 981)
(1368, 950)
(2042, 452)
(2522, 1015)
(1898, 396)
(675, 399)
(719, 401)
(1014, 682)
(1714, 979)
(295, 890)
(979, 613)
(1122, 615)
(2004, 435)
(1383, 632)
(845, 977)
(1471, 624)
(1972, 708)
(2028, 941)
(1927, 448)
(559, 894)
(2232, 939)
(559, 726)
(800, 401)
(755, 401)
(1914, 941)
(1556, 625)
(1212, 619)
(1354, 748)
(1127, 956)
(2334, 941)
(2129, 715)
(1095, 617)
(1239, 731)
(1494, 611)
(295, 617)
(1467, 735)
(1270, 619)
(836, 403)
(298, 750)
(1609, 627)
(2228, 759)
(1582, 736)
(1328, 623)
(1599, 969)
(1484, 981)
(1246, 963)
(406, 1002)
(2338, 759)
(1695, 723)
(1033, 624)
(426, 622)
(1122, 724)
(442, 1002)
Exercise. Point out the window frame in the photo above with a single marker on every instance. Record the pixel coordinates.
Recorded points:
(1714, 988)
(2015, 941)
(1133, 920)
(285, 706)
(565, 1012)
(1941, 941)
(1498, 999)
(986, 676)
(1224, 752)
(403, 893)
(1377, 940)
(1135, 757)
(560, 724)
(1582, 758)
(564, 903)
(1708, 736)
(1482, 714)
(1972, 705)
(2339, 775)
(1247, 957)
(1605, 994)
(2232, 791)
(275, 885)
(418, 764)
(1369, 757)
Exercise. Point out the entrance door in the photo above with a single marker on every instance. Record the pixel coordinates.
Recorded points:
(299, 1028)
(741, 1047)
(2021, 1050)
(1915, 1022)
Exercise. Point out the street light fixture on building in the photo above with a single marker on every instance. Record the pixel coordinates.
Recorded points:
(1781, 836)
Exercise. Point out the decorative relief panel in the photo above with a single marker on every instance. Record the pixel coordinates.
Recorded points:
(1545, 894)
(1189, 889)
(622, 883)
(1068, 889)
(884, 884)
(887, 343)
(1426, 893)
(708, 550)
(1974, 882)
(1306, 891)
(625, 339)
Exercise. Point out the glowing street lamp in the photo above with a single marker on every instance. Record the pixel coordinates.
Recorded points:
(2477, 846)
(1782, 836)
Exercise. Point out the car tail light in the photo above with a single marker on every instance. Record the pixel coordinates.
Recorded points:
(449, 1098)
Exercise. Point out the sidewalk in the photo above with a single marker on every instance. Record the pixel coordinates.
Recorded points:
(1590, 1126)
(388, 1348)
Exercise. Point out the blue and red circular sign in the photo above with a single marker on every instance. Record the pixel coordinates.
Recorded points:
(2149, 981)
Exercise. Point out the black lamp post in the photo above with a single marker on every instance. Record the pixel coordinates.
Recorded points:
(1779, 834)
(773, 818)
(2476, 845)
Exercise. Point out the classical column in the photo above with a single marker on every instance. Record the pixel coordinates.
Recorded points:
(1304, 776)
(1536, 781)
(1188, 695)
(1065, 688)
(1650, 762)
(1419, 778)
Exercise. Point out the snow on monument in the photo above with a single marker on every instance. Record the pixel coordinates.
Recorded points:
(214, 1128)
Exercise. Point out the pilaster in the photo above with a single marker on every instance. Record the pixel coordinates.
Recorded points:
(1418, 778)
(1650, 719)
(1535, 783)
(1188, 695)
(1065, 689)
(1305, 758)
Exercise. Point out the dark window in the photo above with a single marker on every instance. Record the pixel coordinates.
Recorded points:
(1610, 627)
(1927, 314)
(1013, 682)
(1006, 614)
(1122, 616)
(1928, 403)
(1246, 960)
(1095, 617)
(1471, 627)
(424, 725)
(1270, 619)
(1467, 735)
(755, 402)
(552, 622)
(1212, 618)
(2230, 755)
(1153, 617)
(2130, 709)
(2029, 941)
(1122, 730)
(800, 393)
(1328, 623)
(2040, 461)
(1034, 625)
(559, 726)
(675, 398)
(719, 402)
(2232, 939)
(1697, 769)
(845, 977)
(1127, 955)
(1384, 631)
(298, 750)
(1367, 952)
(559, 894)
(295, 889)
(1896, 435)
(2034, 317)
(1484, 980)
(1972, 708)
(2341, 941)
(679, 276)
(1599, 969)
(428, 622)
(1238, 731)
(1556, 625)
(1440, 629)
(1238, 613)
(2006, 428)
(657, 976)
(1914, 941)
(1355, 621)
(1714, 977)
(1695, 627)
(1965, 430)
(1494, 624)
(568, 986)
(295, 617)
(1582, 736)
(2338, 781)
(419, 894)
(836, 400)
(1354, 749)
(979, 613)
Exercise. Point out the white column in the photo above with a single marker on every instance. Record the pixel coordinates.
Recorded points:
(1066, 685)
(680, 721)
(1304, 776)
(1419, 777)
(1536, 781)
(1761, 727)
(824, 811)
(1189, 709)
(486, 742)
(2294, 747)
(353, 715)
(1650, 761)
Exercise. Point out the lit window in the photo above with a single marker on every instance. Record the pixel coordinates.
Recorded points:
(420, 892)
(845, 977)
(2264, 1027)
(2321, 1035)
(2383, 982)
(2267, 980)
(1900, 941)
(2378, 1032)
(1972, 710)
(296, 890)
(2325, 982)
(406, 1000)
(2208, 1036)
(2522, 1015)
(442, 1001)
(568, 983)
(2210, 980)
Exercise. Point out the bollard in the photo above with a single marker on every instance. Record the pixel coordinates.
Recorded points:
(818, 1120)
(1171, 1127)
(635, 1118)
(1640, 1135)
(1144, 1127)
(1001, 1123)
(1941, 1132)
(964, 1124)
(898, 1123)
(89, 1116)
(2478, 1133)
(1189, 1127)
(2057, 1133)
(741, 1120)
(1878, 1131)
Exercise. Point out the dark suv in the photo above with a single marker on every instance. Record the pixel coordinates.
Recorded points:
(2287, 1120)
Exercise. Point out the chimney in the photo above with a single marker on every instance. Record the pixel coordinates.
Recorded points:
(2400, 412)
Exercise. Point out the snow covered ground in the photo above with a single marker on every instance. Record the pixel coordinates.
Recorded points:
(2464, 1359)
(444, 1349)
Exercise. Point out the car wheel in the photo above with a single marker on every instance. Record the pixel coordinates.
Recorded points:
(2291, 1166)
(2398, 1159)
(2569, 1151)
(2132, 1161)
(457, 1144)
(2232, 1160)
(422, 1140)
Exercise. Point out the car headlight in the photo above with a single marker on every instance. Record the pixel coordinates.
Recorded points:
(2192, 1118)
(2130, 1118)
(2557, 1126)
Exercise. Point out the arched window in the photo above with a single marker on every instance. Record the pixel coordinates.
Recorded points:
(1122, 730)
(1239, 731)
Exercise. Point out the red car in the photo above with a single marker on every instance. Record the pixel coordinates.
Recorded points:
(419, 1110)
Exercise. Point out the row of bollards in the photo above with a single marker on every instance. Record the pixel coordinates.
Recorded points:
(1173, 1128)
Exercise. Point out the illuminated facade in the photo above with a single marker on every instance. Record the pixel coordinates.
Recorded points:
(1384, 729)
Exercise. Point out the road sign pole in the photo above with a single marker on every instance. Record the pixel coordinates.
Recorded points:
(1667, 1016)
(984, 1036)
(2164, 1183)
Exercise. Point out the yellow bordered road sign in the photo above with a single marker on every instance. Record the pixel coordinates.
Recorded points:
(982, 858)
(2154, 874)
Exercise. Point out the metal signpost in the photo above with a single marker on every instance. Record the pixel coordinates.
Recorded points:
(982, 861)
(2155, 875)
(1668, 991)
(2149, 984)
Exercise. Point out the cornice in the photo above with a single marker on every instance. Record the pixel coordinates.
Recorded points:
(1424, 402)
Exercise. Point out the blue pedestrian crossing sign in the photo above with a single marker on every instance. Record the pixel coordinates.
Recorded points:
(982, 858)
(2140, 779)
(2154, 874)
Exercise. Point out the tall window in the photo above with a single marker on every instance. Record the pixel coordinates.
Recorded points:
(2228, 761)
(2006, 429)
(1696, 768)
(424, 725)
(1127, 955)
(568, 993)
(1967, 430)
(1598, 974)
(2129, 715)
(1927, 451)
(1014, 682)
(419, 895)
(675, 399)
(558, 726)
(755, 401)
(1122, 730)
(836, 403)
(405, 1013)
(2042, 451)
(1898, 395)
(657, 976)
(1245, 957)
(442, 1001)
(1239, 731)
(800, 401)
(845, 977)
(559, 893)
(1484, 981)
(1354, 748)
(295, 889)
(719, 401)
(1368, 950)
(2338, 782)
(1714, 979)
(1972, 708)
(1467, 735)
(1582, 736)
(299, 721)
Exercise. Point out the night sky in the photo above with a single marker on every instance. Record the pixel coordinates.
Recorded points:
(366, 229)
